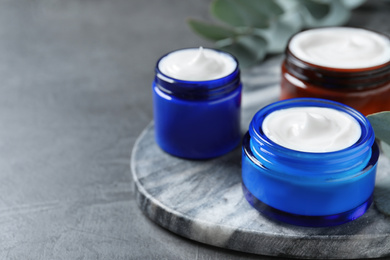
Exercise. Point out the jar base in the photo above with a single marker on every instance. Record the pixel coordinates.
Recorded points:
(305, 220)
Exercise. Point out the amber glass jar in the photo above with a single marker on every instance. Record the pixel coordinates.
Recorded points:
(365, 89)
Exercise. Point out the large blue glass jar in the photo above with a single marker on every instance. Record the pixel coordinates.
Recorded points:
(197, 119)
(305, 188)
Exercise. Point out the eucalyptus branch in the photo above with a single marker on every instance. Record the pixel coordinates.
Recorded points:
(251, 29)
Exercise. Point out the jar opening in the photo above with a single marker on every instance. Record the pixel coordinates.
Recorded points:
(341, 47)
(197, 64)
(273, 155)
(199, 89)
(327, 75)
(311, 129)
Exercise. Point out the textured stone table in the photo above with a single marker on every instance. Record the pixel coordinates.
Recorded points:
(203, 200)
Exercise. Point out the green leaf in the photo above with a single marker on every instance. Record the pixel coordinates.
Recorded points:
(248, 49)
(382, 184)
(230, 12)
(250, 13)
(210, 31)
(385, 148)
(280, 32)
(269, 8)
(381, 124)
(338, 15)
(254, 28)
(288, 5)
(382, 195)
(317, 9)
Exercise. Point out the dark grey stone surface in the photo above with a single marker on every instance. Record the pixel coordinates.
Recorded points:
(74, 96)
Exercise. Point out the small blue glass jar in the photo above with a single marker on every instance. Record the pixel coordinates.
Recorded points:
(305, 188)
(197, 119)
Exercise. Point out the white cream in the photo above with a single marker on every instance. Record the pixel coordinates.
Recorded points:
(312, 129)
(341, 47)
(197, 64)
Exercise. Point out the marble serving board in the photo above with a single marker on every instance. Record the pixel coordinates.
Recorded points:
(203, 201)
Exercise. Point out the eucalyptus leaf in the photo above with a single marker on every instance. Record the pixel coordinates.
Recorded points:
(289, 6)
(233, 13)
(385, 148)
(228, 12)
(381, 124)
(338, 14)
(253, 28)
(382, 184)
(317, 9)
(250, 13)
(257, 45)
(269, 8)
(382, 195)
(210, 31)
(248, 49)
(280, 32)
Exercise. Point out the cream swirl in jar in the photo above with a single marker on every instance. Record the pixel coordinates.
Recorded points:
(312, 129)
(341, 47)
(197, 64)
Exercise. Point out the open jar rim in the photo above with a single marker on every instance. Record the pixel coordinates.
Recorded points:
(345, 161)
(333, 70)
(334, 77)
(376, 34)
(202, 89)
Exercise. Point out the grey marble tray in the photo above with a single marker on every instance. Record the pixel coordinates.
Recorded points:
(203, 201)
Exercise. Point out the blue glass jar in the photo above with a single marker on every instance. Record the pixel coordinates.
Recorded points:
(305, 188)
(197, 119)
